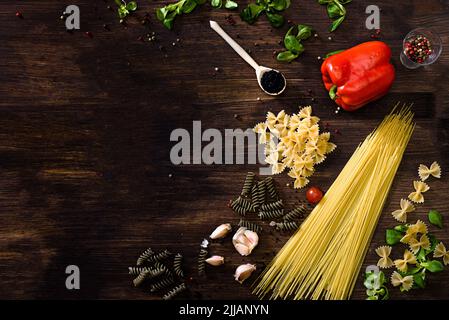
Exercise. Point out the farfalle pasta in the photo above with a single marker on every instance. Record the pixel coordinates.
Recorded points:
(419, 227)
(384, 253)
(424, 172)
(406, 282)
(413, 230)
(420, 188)
(416, 244)
(401, 214)
(402, 264)
(295, 143)
(440, 251)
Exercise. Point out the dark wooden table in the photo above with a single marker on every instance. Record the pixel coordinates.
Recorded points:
(85, 126)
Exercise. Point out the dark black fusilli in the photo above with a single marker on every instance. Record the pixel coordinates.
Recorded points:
(135, 271)
(177, 265)
(285, 226)
(157, 257)
(174, 292)
(250, 225)
(202, 261)
(271, 189)
(162, 284)
(278, 205)
(242, 206)
(296, 213)
(249, 181)
(274, 214)
(144, 256)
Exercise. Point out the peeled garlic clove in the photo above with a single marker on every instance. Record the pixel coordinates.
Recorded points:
(242, 249)
(215, 260)
(239, 237)
(238, 234)
(245, 241)
(221, 231)
(243, 272)
(252, 237)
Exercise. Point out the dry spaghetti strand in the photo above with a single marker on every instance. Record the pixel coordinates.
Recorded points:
(322, 259)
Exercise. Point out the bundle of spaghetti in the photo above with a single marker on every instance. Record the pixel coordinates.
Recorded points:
(323, 258)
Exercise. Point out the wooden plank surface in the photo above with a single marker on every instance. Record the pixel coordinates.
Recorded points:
(85, 126)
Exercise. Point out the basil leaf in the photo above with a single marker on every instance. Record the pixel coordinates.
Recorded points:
(372, 298)
(336, 23)
(418, 280)
(421, 256)
(304, 32)
(251, 13)
(386, 294)
(436, 218)
(161, 13)
(401, 228)
(188, 6)
(131, 6)
(393, 237)
(334, 11)
(216, 3)
(173, 6)
(433, 242)
(381, 277)
(415, 270)
(122, 12)
(292, 44)
(289, 32)
(286, 56)
(324, 1)
(278, 5)
(168, 21)
(345, 1)
(119, 3)
(275, 19)
(433, 266)
(231, 4)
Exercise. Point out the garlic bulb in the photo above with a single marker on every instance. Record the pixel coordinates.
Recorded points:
(245, 241)
(215, 261)
(221, 231)
(243, 272)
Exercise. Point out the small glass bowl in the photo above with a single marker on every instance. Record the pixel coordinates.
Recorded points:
(435, 42)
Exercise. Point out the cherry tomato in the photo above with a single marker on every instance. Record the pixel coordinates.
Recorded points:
(314, 195)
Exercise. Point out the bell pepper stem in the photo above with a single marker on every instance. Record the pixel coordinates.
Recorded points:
(332, 53)
(333, 92)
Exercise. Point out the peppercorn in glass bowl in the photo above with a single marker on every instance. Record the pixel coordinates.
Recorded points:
(420, 47)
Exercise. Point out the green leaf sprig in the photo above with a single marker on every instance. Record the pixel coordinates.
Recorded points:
(168, 13)
(271, 8)
(375, 286)
(292, 43)
(336, 11)
(229, 4)
(124, 8)
(436, 218)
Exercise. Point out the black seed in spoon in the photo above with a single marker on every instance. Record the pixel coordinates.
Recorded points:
(272, 81)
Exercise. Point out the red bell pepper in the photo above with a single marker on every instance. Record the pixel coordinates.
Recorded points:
(358, 75)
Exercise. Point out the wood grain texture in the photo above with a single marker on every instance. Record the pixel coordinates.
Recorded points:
(85, 126)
